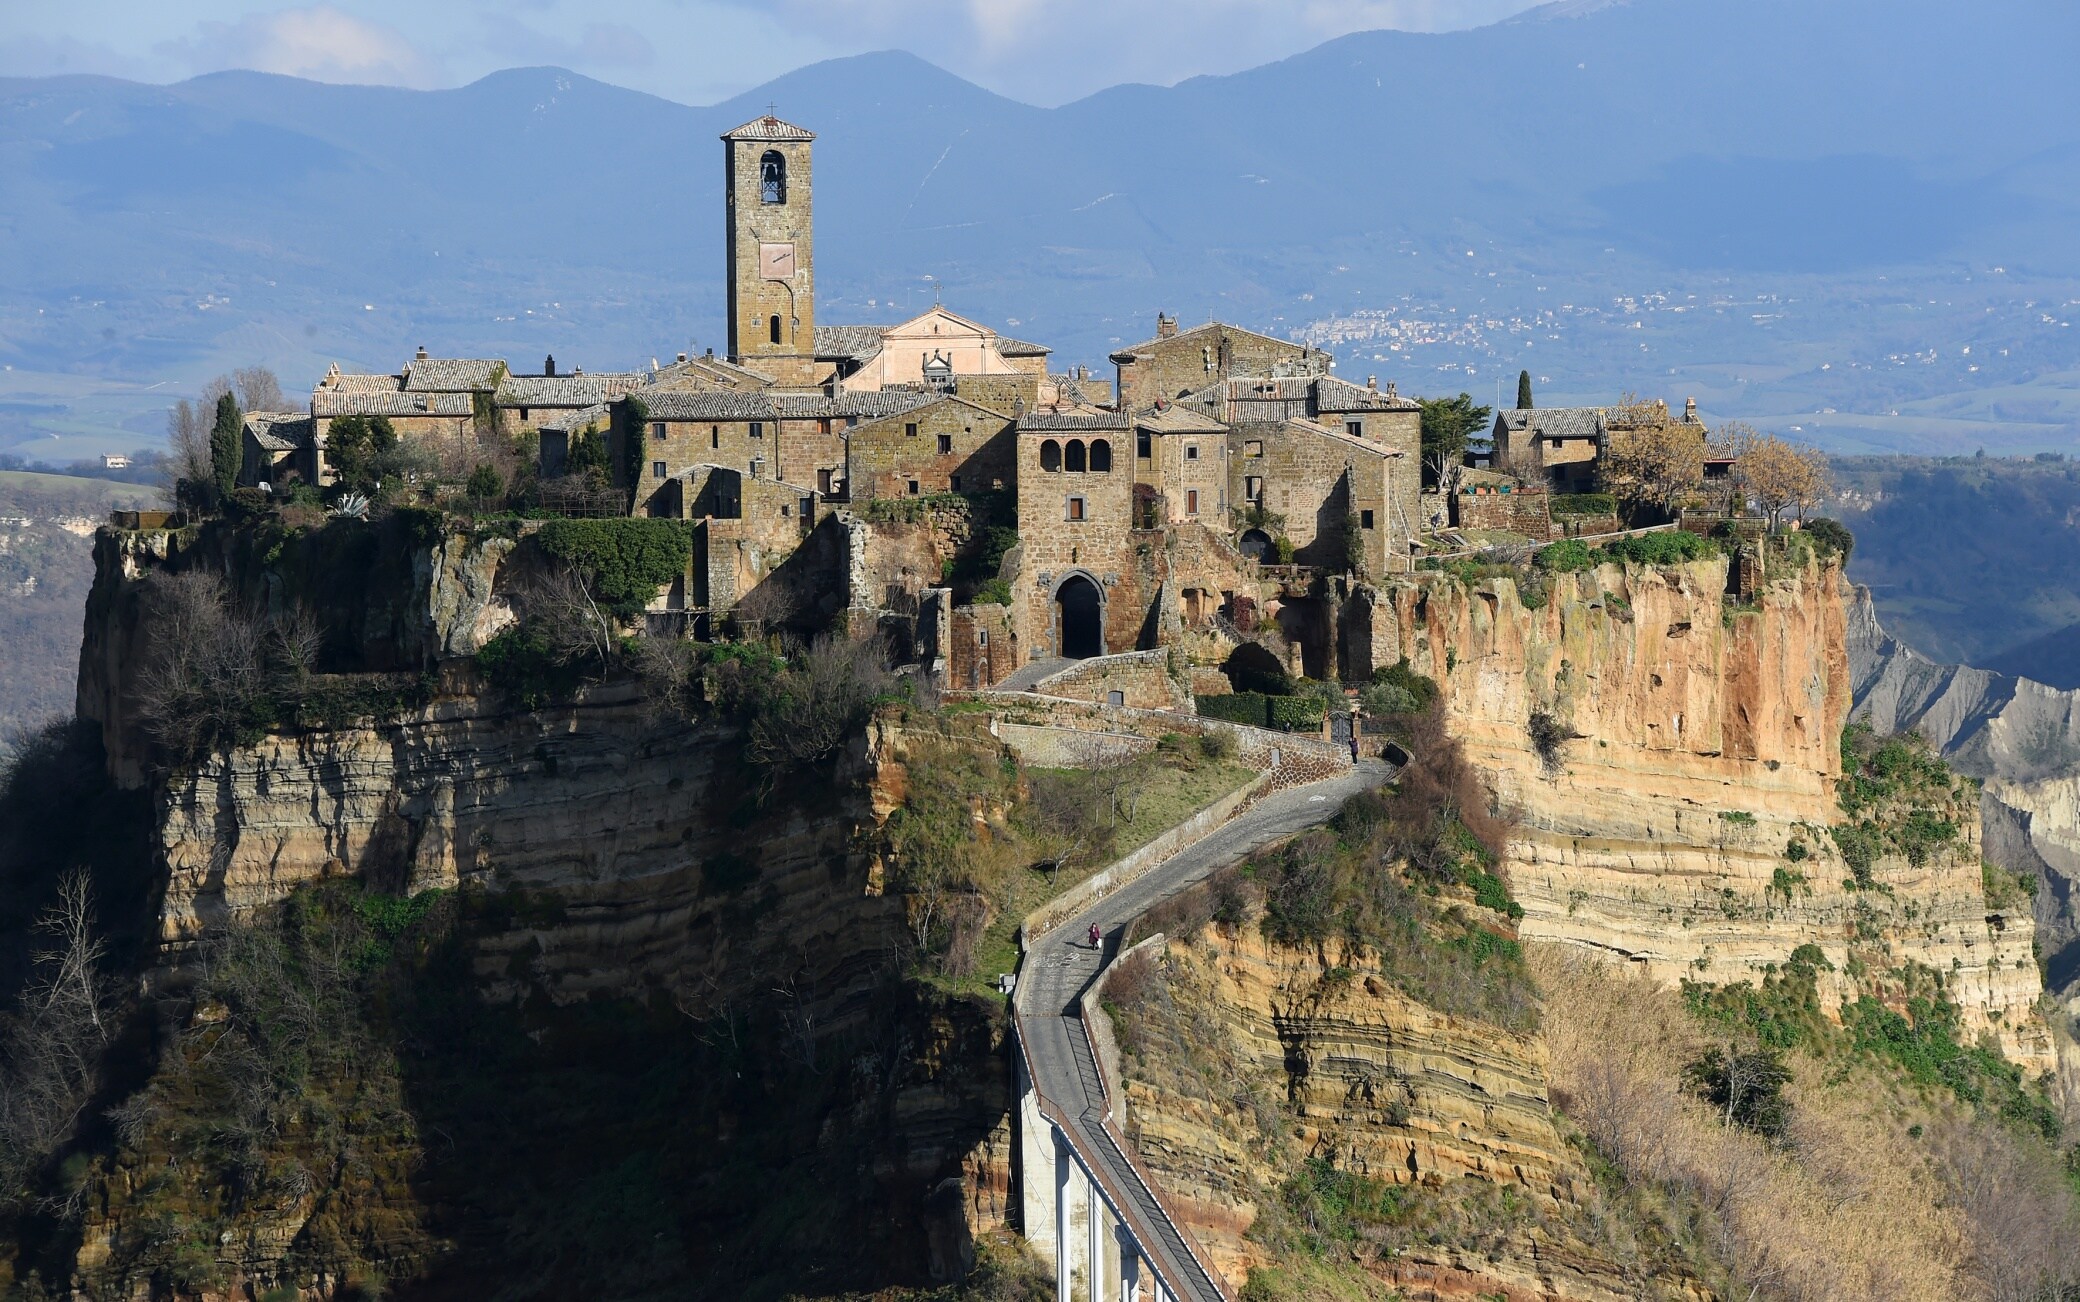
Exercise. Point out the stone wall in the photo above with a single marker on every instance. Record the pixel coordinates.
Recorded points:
(982, 647)
(1518, 512)
(950, 446)
(1146, 680)
(1102, 547)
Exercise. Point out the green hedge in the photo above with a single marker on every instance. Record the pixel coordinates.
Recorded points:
(1284, 713)
(629, 560)
(1583, 504)
(1670, 547)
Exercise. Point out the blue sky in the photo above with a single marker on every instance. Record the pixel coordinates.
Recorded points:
(698, 51)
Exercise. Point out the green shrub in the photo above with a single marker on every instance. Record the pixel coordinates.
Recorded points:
(521, 663)
(1737, 817)
(1419, 688)
(1746, 1088)
(1830, 537)
(1583, 504)
(1236, 707)
(993, 592)
(1565, 557)
(1294, 713)
(628, 559)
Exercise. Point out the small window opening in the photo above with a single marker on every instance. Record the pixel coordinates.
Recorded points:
(945, 443)
(1072, 456)
(1365, 519)
(773, 328)
(913, 488)
(1075, 508)
(657, 470)
(1191, 501)
(1191, 452)
(1354, 428)
(772, 179)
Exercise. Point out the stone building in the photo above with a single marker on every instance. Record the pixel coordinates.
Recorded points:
(1562, 447)
(948, 445)
(277, 447)
(1076, 593)
(1176, 363)
(527, 402)
(1181, 457)
(1312, 457)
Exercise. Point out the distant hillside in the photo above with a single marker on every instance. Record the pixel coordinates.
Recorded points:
(46, 567)
(1669, 193)
(1971, 559)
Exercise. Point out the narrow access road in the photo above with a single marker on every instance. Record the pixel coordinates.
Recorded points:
(1061, 965)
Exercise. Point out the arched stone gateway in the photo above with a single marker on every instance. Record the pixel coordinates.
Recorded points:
(1255, 544)
(1079, 617)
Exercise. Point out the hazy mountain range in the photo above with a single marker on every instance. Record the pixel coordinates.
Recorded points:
(1781, 206)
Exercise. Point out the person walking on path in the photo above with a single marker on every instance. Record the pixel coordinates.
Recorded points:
(1097, 937)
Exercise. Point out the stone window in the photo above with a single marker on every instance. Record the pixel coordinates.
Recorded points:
(913, 488)
(1253, 488)
(772, 179)
(523, 413)
(714, 436)
(945, 443)
(1075, 509)
(784, 512)
(823, 424)
(1101, 456)
(1354, 428)
(1191, 501)
(1191, 452)
(657, 470)
(954, 483)
(1072, 456)
(981, 637)
(1364, 519)
(1142, 442)
(758, 429)
(1115, 698)
(1050, 455)
(657, 431)
(910, 429)
(1253, 448)
(773, 328)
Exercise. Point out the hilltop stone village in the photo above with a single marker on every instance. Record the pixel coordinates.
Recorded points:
(1221, 486)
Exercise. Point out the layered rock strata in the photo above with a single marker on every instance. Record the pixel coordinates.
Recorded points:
(1689, 744)
(1253, 1057)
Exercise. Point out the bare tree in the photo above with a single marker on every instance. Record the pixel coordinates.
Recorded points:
(1780, 476)
(1650, 459)
(560, 602)
(51, 1048)
(258, 389)
(826, 693)
(295, 640)
(202, 668)
(769, 607)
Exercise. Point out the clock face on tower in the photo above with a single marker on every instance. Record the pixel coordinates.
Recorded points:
(775, 261)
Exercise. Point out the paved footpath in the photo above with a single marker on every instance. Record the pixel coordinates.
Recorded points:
(1061, 965)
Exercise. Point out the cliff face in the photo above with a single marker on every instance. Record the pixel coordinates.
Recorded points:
(1255, 1057)
(1694, 744)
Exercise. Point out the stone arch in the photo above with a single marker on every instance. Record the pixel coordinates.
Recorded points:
(1072, 456)
(1050, 455)
(1255, 544)
(1079, 616)
(772, 177)
(1101, 456)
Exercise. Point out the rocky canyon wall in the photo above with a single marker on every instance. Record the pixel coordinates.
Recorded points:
(1690, 744)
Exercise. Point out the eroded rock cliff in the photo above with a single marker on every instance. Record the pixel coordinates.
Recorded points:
(1689, 745)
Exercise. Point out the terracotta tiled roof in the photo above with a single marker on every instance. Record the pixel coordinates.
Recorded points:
(857, 343)
(1558, 422)
(1130, 350)
(768, 128)
(1178, 420)
(279, 431)
(452, 374)
(1079, 419)
(564, 390)
(681, 405)
(1332, 394)
(1007, 347)
(333, 402)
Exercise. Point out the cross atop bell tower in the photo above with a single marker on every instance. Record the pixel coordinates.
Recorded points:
(772, 283)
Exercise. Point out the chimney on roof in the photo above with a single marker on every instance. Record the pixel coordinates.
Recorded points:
(1390, 388)
(1689, 411)
(1083, 372)
(682, 357)
(577, 370)
(422, 353)
(711, 354)
(1166, 326)
(1372, 383)
(549, 364)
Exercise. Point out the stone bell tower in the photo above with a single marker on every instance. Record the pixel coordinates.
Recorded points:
(772, 282)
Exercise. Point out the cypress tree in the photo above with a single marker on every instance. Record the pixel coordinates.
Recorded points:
(224, 440)
(1523, 391)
